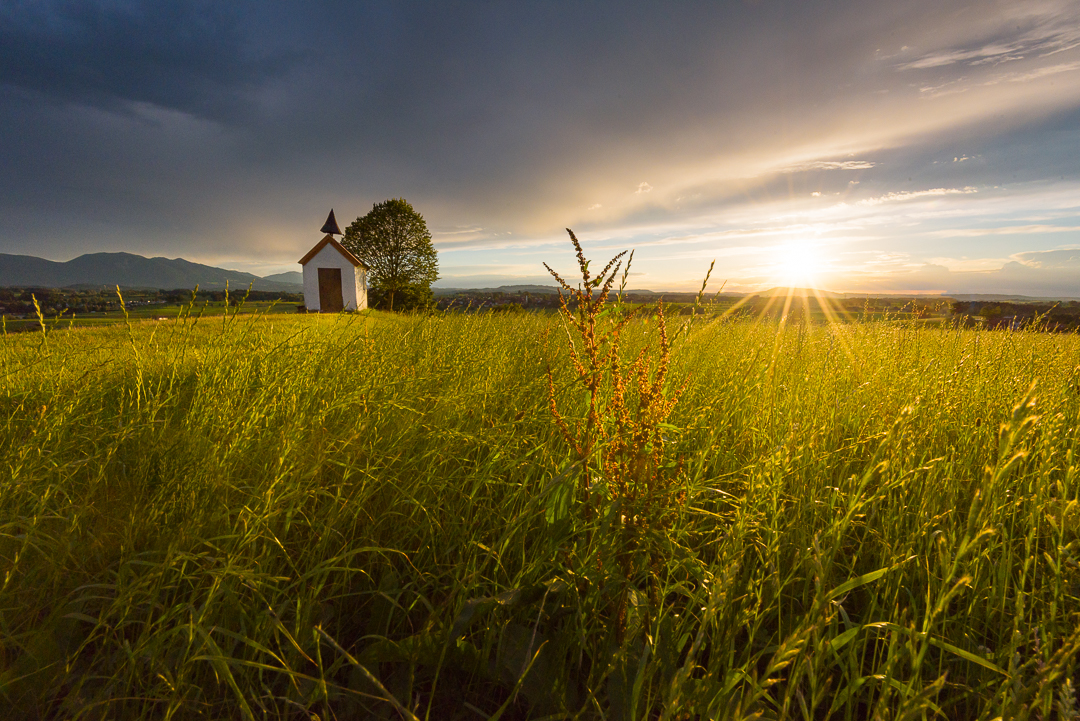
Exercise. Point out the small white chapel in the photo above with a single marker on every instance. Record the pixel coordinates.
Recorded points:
(334, 279)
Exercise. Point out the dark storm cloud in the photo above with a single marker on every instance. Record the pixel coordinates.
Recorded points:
(193, 57)
(449, 101)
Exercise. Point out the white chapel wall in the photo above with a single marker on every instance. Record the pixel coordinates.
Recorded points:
(351, 290)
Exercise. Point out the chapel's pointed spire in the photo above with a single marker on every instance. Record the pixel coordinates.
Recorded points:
(330, 226)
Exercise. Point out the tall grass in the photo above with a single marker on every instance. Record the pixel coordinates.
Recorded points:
(349, 517)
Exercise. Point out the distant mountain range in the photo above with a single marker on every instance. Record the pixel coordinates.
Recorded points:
(501, 289)
(293, 277)
(134, 271)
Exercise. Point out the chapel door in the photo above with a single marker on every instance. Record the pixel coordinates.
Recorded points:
(330, 290)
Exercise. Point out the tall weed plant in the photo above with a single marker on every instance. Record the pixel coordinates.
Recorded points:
(625, 481)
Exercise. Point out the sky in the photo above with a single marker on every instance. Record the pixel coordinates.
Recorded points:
(917, 146)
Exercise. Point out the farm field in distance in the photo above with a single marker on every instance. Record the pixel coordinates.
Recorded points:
(68, 308)
(378, 516)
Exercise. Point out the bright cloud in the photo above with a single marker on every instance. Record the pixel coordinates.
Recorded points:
(902, 196)
(1052, 34)
(830, 165)
(1062, 258)
(1005, 230)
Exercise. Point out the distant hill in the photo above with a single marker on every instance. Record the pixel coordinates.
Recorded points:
(132, 271)
(999, 297)
(799, 293)
(501, 289)
(294, 277)
(552, 289)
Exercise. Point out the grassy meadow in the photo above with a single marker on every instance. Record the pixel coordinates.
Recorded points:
(382, 516)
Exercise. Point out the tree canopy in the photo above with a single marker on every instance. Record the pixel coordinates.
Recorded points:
(394, 242)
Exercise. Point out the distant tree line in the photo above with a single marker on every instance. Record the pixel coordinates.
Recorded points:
(1063, 316)
(523, 301)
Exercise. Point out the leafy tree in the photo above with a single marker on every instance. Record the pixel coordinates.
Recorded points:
(394, 242)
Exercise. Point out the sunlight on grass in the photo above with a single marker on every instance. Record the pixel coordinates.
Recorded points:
(348, 516)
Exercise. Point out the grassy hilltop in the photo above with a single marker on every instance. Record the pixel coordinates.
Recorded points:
(379, 516)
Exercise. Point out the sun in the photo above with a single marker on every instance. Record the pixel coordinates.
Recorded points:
(797, 265)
